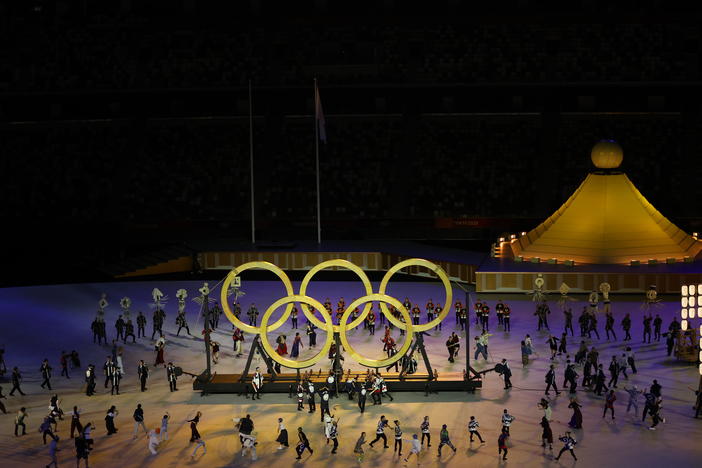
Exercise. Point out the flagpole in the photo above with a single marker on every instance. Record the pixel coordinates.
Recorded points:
(251, 165)
(316, 152)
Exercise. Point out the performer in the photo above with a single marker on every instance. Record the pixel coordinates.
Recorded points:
(568, 313)
(293, 317)
(333, 434)
(281, 350)
(553, 345)
(485, 316)
(415, 448)
(182, 322)
(463, 318)
(153, 436)
(164, 426)
(249, 444)
(437, 313)
(238, 339)
(324, 403)
(473, 429)
(19, 421)
(609, 324)
(370, 322)
(576, 421)
(551, 380)
(297, 344)
(139, 420)
(609, 404)
(312, 334)
(634, 393)
(90, 380)
(626, 326)
(119, 326)
(416, 312)
(160, 348)
(499, 312)
(358, 449)
(362, 399)
(110, 420)
(16, 380)
(82, 450)
(502, 444)
(256, 384)
(310, 397)
(143, 373)
(194, 434)
(506, 373)
(507, 420)
(253, 315)
(424, 428)
(398, 438)
(95, 328)
(380, 432)
(282, 438)
(115, 377)
(172, 377)
(141, 325)
(87, 431)
(562, 344)
(303, 444)
(657, 322)
(613, 372)
(600, 381)
(569, 444)
(129, 331)
(505, 318)
(452, 345)
(198, 443)
(430, 310)
(45, 370)
(546, 434)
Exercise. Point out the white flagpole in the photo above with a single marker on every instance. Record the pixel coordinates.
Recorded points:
(251, 164)
(316, 151)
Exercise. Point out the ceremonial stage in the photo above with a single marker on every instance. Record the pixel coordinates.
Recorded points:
(287, 383)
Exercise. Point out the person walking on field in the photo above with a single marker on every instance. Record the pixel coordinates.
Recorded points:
(609, 403)
(502, 444)
(569, 444)
(445, 439)
(380, 432)
(473, 429)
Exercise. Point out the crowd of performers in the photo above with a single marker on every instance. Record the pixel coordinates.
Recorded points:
(585, 362)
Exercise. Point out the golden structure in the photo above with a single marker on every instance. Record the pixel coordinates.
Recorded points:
(606, 220)
(327, 324)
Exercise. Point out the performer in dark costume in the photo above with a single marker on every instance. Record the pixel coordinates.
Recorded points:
(45, 370)
(16, 380)
(143, 373)
(110, 420)
(141, 325)
(172, 377)
(194, 434)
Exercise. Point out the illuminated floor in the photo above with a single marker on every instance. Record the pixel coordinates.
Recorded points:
(41, 322)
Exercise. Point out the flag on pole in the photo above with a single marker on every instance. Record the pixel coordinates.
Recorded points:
(319, 114)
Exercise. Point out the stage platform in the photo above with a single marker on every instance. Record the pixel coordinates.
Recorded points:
(287, 383)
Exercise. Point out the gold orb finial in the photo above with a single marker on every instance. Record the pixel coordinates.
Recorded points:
(607, 154)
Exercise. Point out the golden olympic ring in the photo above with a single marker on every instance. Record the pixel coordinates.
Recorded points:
(377, 363)
(342, 264)
(442, 276)
(247, 266)
(327, 325)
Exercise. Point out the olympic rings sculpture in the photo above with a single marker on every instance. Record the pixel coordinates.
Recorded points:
(327, 323)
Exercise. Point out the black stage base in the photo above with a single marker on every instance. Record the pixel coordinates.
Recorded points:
(287, 383)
